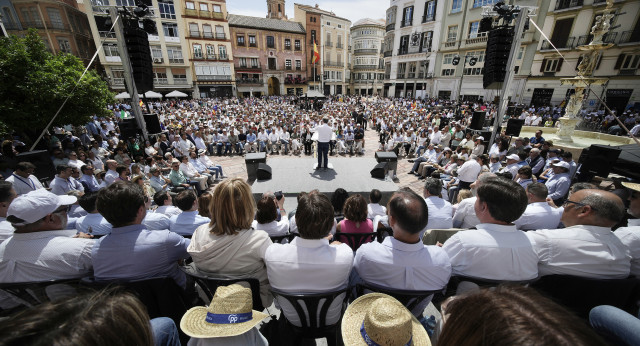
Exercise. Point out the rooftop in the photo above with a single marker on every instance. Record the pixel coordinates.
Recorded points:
(369, 21)
(266, 24)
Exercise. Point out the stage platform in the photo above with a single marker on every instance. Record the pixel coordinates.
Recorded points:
(292, 175)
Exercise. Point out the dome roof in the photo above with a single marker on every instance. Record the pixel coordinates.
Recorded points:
(369, 21)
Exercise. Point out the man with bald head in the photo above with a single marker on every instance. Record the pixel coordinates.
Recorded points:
(111, 174)
(586, 247)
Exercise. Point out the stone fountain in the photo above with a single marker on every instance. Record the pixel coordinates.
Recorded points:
(584, 79)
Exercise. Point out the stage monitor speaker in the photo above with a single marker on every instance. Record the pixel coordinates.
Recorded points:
(128, 128)
(153, 124)
(599, 160)
(264, 171)
(477, 121)
(379, 170)
(514, 126)
(44, 166)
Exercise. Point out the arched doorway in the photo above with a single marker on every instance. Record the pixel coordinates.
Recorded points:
(274, 86)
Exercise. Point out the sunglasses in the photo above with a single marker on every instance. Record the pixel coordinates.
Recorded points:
(577, 203)
(62, 209)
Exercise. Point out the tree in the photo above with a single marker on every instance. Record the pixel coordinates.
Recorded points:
(35, 84)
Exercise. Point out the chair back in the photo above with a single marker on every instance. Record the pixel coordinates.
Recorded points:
(582, 294)
(210, 283)
(355, 240)
(433, 236)
(29, 294)
(312, 309)
(280, 238)
(383, 233)
(409, 298)
(454, 281)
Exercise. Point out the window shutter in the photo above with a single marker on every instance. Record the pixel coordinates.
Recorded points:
(619, 62)
(542, 66)
(560, 61)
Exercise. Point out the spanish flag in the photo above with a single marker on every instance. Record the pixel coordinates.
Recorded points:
(316, 54)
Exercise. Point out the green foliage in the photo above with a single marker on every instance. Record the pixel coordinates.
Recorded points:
(35, 84)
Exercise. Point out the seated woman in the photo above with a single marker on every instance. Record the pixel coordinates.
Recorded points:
(268, 213)
(228, 245)
(355, 219)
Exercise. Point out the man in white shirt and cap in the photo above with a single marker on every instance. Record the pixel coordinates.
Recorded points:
(539, 214)
(512, 165)
(324, 137)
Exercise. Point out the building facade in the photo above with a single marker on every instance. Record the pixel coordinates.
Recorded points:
(171, 67)
(208, 41)
(332, 40)
(269, 56)
(367, 65)
(460, 36)
(61, 24)
(568, 26)
(310, 20)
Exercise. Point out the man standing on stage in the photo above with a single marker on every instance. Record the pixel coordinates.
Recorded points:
(324, 136)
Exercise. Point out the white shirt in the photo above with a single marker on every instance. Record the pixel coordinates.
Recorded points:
(493, 252)
(110, 177)
(168, 210)
(630, 236)
(98, 224)
(22, 185)
(156, 222)
(469, 171)
(324, 133)
(273, 228)
(539, 215)
(465, 215)
(440, 213)
(374, 209)
(6, 230)
(43, 256)
(581, 250)
(309, 266)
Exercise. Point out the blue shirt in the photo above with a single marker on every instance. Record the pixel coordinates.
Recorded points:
(199, 166)
(98, 224)
(558, 185)
(186, 222)
(134, 253)
(156, 221)
(251, 138)
(91, 181)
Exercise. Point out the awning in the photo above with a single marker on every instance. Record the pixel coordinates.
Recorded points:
(123, 95)
(176, 93)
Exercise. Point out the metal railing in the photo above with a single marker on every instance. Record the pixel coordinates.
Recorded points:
(249, 81)
(565, 4)
(406, 23)
(428, 18)
(339, 45)
(179, 80)
(570, 43)
(400, 75)
(328, 44)
(387, 54)
(221, 36)
(333, 63)
(176, 61)
(160, 81)
(212, 57)
(194, 33)
(107, 34)
(32, 24)
(626, 37)
(366, 51)
(118, 81)
(213, 77)
(256, 66)
(209, 34)
(403, 51)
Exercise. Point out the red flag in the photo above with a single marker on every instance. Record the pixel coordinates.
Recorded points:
(316, 54)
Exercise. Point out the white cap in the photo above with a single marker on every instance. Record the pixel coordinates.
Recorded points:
(37, 204)
(513, 157)
(562, 164)
(480, 138)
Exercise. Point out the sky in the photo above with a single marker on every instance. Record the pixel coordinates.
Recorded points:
(350, 9)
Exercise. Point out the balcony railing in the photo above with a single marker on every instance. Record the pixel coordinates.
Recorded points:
(628, 72)
(58, 26)
(118, 81)
(298, 68)
(386, 54)
(212, 57)
(32, 24)
(339, 45)
(194, 33)
(107, 34)
(295, 80)
(333, 63)
(289, 68)
(400, 75)
(365, 67)
(249, 81)
(198, 55)
(387, 76)
(328, 44)
(190, 12)
(570, 43)
(297, 48)
(450, 43)
(565, 4)
(179, 80)
(221, 36)
(478, 39)
(390, 27)
(249, 66)
(428, 18)
(213, 77)
(208, 34)
(176, 61)
(626, 37)
(403, 51)
(406, 23)
(366, 51)
(160, 81)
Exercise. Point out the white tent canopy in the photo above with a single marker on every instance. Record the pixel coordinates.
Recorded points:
(176, 93)
(314, 93)
(151, 95)
(123, 95)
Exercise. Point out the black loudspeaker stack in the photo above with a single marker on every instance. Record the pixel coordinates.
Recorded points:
(153, 124)
(599, 161)
(264, 171)
(514, 126)
(379, 170)
(496, 56)
(140, 56)
(477, 122)
(128, 128)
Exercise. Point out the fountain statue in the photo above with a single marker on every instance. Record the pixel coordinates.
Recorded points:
(584, 79)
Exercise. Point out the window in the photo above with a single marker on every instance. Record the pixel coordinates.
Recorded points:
(473, 29)
(425, 43)
(287, 64)
(156, 52)
(627, 62)
(211, 51)
(297, 44)
(313, 36)
(429, 11)
(190, 5)
(407, 16)
(254, 62)
(452, 33)
(271, 43)
(240, 40)
(197, 51)
(175, 55)
(479, 54)
(520, 52)
(561, 31)
(170, 29)
(480, 3)
(298, 65)
(118, 76)
(55, 18)
(64, 45)
(217, 8)
(110, 49)
(252, 41)
(447, 59)
(194, 30)
(328, 43)
(287, 43)
(167, 10)
(456, 6)
(404, 44)
(272, 63)
(222, 51)
(121, 3)
(339, 75)
(448, 71)
(206, 31)
(473, 71)
(220, 32)
(204, 7)
(328, 23)
(551, 65)
(160, 76)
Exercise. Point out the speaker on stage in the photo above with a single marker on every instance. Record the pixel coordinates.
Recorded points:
(44, 166)
(598, 161)
(477, 121)
(514, 126)
(379, 170)
(153, 123)
(264, 171)
(128, 128)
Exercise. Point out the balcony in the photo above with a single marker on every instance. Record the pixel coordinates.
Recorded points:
(158, 60)
(428, 18)
(220, 36)
(288, 68)
(118, 81)
(247, 81)
(212, 57)
(295, 80)
(58, 26)
(249, 66)
(333, 63)
(339, 46)
(387, 76)
(629, 72)
(179, 80)
(296, 49)
(390, 27)
(366, 67)
(213, 77)
(217, 15)
(32, 24)
(160, 81)
(450, 43)
(406, 23)
(194, 33)
(176, 61)
(298, 68)
(400, 75)
(328, 44)
(387, 54)
(190, 12)
(107, 34)
(567, 4)
(570, 43)
(403, 50)
(209, 34)
(627, 37)
(366, 51)
(480, 38)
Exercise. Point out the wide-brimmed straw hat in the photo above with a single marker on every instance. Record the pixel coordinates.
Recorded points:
(229, 314)
(632, 186)
(380, 319)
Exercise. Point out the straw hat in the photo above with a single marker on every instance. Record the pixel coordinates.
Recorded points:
(632, 186)
(229, 314)
(383, 321)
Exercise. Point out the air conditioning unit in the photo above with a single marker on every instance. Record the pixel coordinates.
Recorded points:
(157, 60)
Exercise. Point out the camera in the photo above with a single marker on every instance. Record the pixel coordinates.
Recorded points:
(278, 195)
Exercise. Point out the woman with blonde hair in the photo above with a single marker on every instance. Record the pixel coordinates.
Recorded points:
(228, 245)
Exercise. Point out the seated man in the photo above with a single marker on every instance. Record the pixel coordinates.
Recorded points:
(309, 264)
(539, 214)
(630, 236)
(187, 221)
(93, 223)
(402, 261)
(130, 251)
(40, 248)
(559, 183)
(440, 211)
(496, 250)
(164, 201)
(23, 179)
(465, 215)
(88, 180)
(586, 247)
(206, 161)
(63, 182)
(178, 179)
